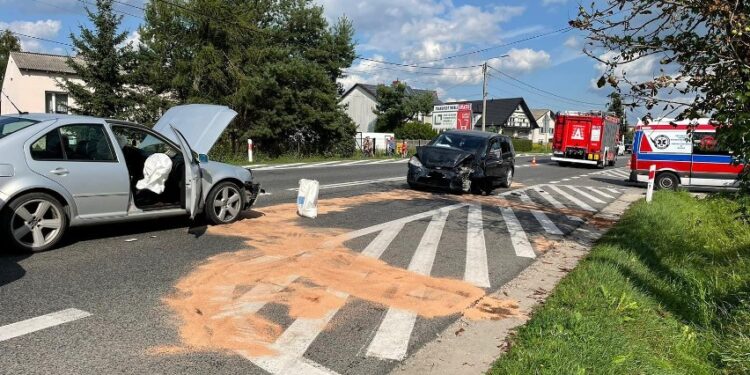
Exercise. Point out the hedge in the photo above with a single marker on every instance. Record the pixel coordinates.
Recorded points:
(522, 145)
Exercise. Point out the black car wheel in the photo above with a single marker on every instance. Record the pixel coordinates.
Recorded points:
(508, 179)
(34, 222)
(666, 181)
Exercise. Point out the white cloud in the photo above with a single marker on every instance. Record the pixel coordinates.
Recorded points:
(47, 29)
(522, 61)
(572, 43)
(134, 39)
(641, 70)
(553, 2)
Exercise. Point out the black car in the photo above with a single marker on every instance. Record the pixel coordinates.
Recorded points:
(464, 161)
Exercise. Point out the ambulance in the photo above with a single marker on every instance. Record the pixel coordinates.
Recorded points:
(682, 157)
(585, 138)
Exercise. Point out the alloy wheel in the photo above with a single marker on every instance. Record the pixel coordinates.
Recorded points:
(36, 223)
(227, 204)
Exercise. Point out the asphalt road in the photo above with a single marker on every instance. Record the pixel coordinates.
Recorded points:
(121, 279)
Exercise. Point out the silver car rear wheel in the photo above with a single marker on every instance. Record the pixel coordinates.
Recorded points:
(225, 203)
(35, 222)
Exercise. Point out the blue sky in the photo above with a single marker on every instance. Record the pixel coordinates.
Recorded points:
(413, 32)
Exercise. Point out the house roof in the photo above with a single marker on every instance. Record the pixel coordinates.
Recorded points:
(372, 90)
(500, 110)
(41, 62)
(538, 113)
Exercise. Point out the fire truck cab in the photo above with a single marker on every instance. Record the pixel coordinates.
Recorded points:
(586, 138)
(685, 153)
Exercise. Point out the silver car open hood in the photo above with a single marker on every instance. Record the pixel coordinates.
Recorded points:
(200, 124)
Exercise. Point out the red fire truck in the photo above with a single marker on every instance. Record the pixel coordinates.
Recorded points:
(586, 138)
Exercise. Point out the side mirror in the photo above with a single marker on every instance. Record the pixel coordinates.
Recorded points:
(202, 158)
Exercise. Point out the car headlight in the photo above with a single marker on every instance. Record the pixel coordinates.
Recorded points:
(415, 162)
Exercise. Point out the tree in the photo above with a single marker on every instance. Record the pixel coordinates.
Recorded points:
(397, 105)
(8, 43)
(700, 47)
(103, 65)
(415, 130)
(616, 107)
(275, 62)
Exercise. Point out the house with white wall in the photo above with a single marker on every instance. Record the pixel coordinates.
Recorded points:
(511, 117)
(32, 83)
(361, 100)
(545, 118)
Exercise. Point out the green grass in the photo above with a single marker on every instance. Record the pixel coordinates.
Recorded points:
(667, 291)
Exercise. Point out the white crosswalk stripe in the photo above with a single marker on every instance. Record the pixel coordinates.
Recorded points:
(518, 237)
(597, 191)
(571, 198)
(584, 194)
(476, 271)
(392, 337)
(541, 217)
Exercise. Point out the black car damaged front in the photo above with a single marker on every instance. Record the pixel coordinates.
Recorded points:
(451, 169)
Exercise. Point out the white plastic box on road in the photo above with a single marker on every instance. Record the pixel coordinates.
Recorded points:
(307, 198)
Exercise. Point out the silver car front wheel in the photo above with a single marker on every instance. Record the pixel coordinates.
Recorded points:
(224, 203)
(35, 222)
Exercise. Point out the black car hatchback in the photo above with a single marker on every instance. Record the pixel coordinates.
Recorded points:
(464, 161)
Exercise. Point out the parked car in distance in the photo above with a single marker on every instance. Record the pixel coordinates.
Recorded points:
(464, 161)
(60, 171)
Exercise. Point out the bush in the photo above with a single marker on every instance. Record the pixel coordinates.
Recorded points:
(522, 145)
(415, 130)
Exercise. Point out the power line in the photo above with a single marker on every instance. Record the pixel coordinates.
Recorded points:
(38, 38)
(418, 66)
(561, 30)
(545, 91)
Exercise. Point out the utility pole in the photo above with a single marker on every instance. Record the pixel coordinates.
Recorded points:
(484, 96)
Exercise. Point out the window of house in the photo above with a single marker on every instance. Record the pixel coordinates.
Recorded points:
(56, 102)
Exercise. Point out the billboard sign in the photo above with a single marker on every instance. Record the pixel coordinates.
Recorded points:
(452, 116)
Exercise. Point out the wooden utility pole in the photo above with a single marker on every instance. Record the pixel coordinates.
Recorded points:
(484, 96)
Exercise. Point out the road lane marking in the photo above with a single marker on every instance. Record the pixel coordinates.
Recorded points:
(585, 194)
(597, 191)
(518, 238)
(391, 340)
(39, 323)
(376, 248)
(249, 302)
(571, 198)
(356, 183)
(614, 191)
(315, 165)
(476, 271)
(541, 217)
(352, 162)
(280, 166)
(549, 198)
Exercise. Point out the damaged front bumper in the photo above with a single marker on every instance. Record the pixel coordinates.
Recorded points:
(252, 191)
(455, 179)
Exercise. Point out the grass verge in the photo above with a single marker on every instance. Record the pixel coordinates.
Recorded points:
(667, 291)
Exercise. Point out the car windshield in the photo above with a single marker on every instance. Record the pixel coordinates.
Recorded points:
(462, 142)
(9, 125)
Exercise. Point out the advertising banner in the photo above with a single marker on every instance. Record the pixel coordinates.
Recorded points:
(452, 116)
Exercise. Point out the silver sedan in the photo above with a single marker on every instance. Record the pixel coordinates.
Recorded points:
(59, 171)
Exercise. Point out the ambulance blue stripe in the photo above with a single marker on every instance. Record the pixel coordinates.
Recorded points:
(664, 157)
(712, 159)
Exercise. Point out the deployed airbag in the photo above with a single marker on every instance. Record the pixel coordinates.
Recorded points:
(156, 170)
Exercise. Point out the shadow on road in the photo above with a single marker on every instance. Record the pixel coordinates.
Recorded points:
(88, 233)
(10, 269)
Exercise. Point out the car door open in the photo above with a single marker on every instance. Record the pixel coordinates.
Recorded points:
(192, 176)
